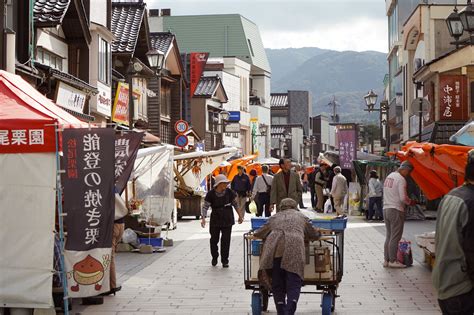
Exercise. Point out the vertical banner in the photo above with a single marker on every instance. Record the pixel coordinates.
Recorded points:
(89, 204)
(197, 64)
(347, 143)
(453, 97)
(126, 149)
(254, 130)
(120, 109)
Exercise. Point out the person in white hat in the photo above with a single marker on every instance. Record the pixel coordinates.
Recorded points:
(223, 201)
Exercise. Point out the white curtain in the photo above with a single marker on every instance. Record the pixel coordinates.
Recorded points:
(27, 213)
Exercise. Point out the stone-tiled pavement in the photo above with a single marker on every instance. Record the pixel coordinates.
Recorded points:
(182, 281)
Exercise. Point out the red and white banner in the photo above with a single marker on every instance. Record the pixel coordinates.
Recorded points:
(197, 64)
(453, 98)
(35, 138)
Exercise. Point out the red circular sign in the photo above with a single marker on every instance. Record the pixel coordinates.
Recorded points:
(181, 141)
(181, 126)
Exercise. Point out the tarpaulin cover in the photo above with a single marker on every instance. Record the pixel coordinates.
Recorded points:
(27, 210)
(26, 117)
(154, 184)
(438, 168)
(231, 170)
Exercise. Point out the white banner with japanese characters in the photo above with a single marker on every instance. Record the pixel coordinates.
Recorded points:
(88, 182)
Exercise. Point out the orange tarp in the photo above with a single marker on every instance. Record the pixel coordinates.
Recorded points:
(231, 170)
(437, 168)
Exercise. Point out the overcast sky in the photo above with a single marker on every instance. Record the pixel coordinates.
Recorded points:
(331, 24)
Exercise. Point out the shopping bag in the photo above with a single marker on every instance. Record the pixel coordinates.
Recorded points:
(328, 206)
(253, 207)
(404, 254)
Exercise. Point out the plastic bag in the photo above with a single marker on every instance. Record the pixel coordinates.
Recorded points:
(404, 254)
(130, 237)
(328, 206)
(253, 207)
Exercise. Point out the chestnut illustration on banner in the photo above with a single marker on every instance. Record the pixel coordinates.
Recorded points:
(88, 271)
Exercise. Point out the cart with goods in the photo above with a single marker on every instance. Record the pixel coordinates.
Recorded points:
(323, 269)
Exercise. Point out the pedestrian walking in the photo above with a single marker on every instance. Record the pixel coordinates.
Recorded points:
(242, 187)
(453, 273)
(304, 179)
(312, 188)
(221, 200)
(286, 184)
(284, 254)
(301, 175)
(395, 199)
(321, 181)
(339, 190)
(261, 192)
(375, 197)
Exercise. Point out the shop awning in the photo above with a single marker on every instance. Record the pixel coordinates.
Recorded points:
(438, 168)
(27, 117)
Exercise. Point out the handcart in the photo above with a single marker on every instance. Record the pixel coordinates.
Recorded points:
(323, 268)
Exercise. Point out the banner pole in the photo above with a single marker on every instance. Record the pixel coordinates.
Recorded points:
(59, 194)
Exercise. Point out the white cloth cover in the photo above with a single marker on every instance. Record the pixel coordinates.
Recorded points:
(27, 207)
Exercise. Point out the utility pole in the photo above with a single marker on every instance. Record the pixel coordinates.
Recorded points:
(333, 104)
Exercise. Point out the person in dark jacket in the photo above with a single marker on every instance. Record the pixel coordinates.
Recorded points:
(312, 188)
(242, 187)
(453, 273)
(221, 199)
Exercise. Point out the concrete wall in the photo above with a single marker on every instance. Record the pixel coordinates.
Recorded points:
(53, 44)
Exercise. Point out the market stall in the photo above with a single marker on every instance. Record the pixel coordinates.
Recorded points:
(190, 170)
(28, 164)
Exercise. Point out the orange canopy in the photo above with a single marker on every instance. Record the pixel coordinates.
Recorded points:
(231, 170)
(437, 168)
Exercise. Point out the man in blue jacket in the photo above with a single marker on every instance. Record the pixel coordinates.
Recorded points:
(453, 273)
(242, 187)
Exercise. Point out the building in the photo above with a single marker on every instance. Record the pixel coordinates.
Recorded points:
(235, 76)
(323, 136)
(224, 36)
(401, 61)
(287, 141)
(206, 106)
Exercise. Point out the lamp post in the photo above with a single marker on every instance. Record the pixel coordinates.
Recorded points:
(370, 101)
(262, 129)
(156, 59)
(467, 19)
(458, 22)
(224, 120)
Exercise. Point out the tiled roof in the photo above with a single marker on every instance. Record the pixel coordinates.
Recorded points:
(126, 22)
(49, 12)
(67, 78)
(441, 132)
(277, 131)
(161, 41)
(279, 100)
(207, 86)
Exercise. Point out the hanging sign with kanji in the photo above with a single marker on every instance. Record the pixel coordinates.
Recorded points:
(88, 184)
(453, 98)
(347, 142)
(197, 63)
(126, 149)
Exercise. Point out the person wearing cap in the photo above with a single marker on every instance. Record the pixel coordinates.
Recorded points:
(375, 196)
(395, 199)
(339, 190)
(453, 272)
(283, 254)
(222, 200)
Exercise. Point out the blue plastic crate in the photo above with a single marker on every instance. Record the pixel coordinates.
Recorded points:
(256, 247)
(334, 224)
(155, 242)
(258, 222)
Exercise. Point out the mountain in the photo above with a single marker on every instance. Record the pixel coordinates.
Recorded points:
(327, 74)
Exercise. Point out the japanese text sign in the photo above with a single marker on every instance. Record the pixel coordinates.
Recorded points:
(120, 110)
(89, 203)
(126, 149)
(197, 63)
(453, 98)
(27, 139)
(347, 142)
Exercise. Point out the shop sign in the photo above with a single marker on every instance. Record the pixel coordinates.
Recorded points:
(197, 63)
(88, 184)
(70, 98)
(234, 116)
(126, 149)
(453, 97)
(347, 143)
(28, 140)
(104, 99)
(120, 110)
(232, 128)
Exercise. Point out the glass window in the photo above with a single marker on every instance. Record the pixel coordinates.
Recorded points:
(251, 48)
(104, 61)
(48, 58)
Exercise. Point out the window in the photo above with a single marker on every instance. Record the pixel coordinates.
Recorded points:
(213, 121)
(48, 58)
(393, 33)
(104, 61)
(279, 120)
(165, 99)
(251, 48)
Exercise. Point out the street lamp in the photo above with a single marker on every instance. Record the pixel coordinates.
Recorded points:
(155, 59)
(262, 129)
(225, 115)
(459, 22)
(455, 27)
(370, 100)
(467, 17)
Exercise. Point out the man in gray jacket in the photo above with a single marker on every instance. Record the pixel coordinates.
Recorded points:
(285, 184)
(453, 273)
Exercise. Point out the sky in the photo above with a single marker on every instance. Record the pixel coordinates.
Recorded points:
(358, 25)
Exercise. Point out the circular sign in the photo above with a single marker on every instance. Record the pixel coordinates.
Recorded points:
(181, 141)
(181, 126)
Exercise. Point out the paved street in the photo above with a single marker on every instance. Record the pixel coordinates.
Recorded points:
(182, 281)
